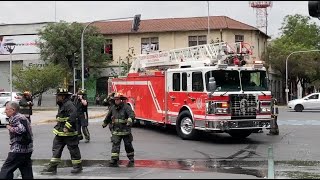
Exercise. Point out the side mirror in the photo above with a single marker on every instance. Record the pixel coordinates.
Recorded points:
(212, 84)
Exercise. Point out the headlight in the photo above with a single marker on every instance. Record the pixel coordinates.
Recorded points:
(265, 109)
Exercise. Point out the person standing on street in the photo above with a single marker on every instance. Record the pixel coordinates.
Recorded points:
(26, 104)
(121, 116)
(81, 103)
(21, 141)
(65, 134)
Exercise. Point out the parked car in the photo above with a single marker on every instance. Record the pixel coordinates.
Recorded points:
(309, 102)
(4, 120)
(6, 96)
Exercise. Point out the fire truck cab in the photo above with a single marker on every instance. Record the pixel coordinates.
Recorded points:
(207, 88)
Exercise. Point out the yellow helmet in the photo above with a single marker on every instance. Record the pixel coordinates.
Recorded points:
(62, 91)
(26, 93)
(82, 91)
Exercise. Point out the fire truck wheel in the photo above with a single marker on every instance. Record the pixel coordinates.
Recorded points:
(240, 133)
(184, 126)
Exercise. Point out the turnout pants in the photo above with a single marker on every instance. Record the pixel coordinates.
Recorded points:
(116, 142)
(83, 125)
(21, 161)
(59, 143)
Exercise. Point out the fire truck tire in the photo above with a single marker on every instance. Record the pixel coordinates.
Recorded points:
(298, 108)
(184, 126)
(240, 133)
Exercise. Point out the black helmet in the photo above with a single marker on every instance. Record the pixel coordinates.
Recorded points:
(62, 91)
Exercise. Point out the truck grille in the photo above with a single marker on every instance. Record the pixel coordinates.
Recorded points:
(243, 105)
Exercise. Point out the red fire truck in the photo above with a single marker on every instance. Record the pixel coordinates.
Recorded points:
(209, 87)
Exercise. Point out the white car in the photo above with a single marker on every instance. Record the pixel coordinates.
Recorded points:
(3, 117)
(5, 97)
(309, 102)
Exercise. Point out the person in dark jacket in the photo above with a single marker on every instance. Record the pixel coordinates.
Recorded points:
(65, 134)
(26, 104)
(81, 103)
(21, 141)
(121, 116)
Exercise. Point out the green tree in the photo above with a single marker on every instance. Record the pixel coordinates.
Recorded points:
(36, 79)
(60, 41)
(298, 33)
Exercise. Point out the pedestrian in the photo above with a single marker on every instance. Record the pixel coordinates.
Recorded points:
(121, 116)
(98, 100)
(274, 128)
(81, 103)
(26, 104)
(21, 141)
(65, 134)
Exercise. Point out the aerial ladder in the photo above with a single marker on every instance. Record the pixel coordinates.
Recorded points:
(194, 56)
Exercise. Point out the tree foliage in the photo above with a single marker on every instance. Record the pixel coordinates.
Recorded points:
(298, 33)
(58, 41)
(37, 79)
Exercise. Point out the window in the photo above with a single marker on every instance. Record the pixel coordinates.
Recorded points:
(315, 96)
(149, 45)
(197, 81)
(184, 82)
(239, 38)
(197, 40)
(176, 82)
(107, 49)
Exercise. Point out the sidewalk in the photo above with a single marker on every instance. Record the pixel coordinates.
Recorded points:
(48, 114)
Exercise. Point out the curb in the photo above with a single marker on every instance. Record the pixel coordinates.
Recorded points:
(54, 120)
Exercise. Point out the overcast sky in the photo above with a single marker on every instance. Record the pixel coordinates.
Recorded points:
(83, 11)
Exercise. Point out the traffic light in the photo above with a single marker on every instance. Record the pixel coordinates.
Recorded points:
(314, 8)
(76, 59)
(136, 22)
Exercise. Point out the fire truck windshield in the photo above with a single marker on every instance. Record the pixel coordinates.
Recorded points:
(226, 80)
(254, 80)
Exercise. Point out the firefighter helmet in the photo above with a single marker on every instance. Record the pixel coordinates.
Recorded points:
(118, 95)
(26, 93)
(82, 91)
(62, 91)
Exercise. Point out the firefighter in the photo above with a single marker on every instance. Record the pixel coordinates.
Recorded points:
(81, 103)
(26, 105)
(65, 134)
(274, 129)
(121, 116)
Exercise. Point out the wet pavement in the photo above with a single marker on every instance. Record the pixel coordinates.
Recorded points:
(162, 154)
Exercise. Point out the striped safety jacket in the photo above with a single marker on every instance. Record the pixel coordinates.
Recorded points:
(66, 118)
(121, 116)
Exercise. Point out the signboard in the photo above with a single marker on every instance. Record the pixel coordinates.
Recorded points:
(24, 44)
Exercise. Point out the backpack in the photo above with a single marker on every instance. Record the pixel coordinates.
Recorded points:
(26, 137)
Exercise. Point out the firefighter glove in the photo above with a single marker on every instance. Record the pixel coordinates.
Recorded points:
(104, 125)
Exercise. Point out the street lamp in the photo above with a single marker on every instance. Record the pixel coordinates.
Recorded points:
(10, 47)
(208, 38)
(135, 25)
(287, 90)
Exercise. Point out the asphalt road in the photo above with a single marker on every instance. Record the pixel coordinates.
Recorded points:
(296, 150)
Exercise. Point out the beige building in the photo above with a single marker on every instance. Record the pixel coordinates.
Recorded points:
(172, 33)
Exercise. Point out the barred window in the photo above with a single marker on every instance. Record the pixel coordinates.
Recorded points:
(149, 44)
(197, 40)
(239, 38)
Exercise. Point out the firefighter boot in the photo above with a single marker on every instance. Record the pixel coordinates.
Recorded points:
(113, 163)
(77, 168)
(130, 163)
(49, 170)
